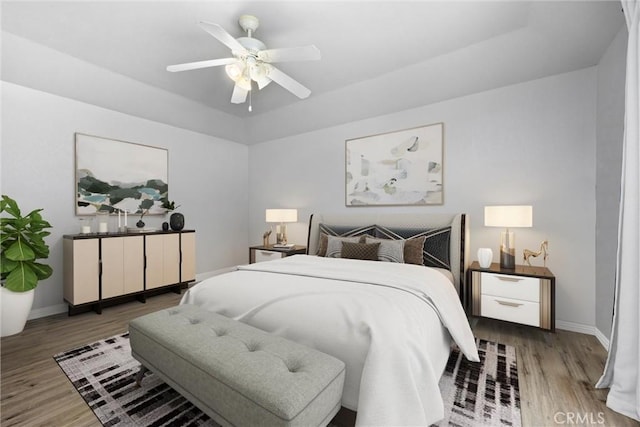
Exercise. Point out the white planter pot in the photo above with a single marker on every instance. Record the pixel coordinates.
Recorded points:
(485, 257)
(15, 310)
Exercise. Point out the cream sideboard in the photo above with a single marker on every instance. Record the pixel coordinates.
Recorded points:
(102, 268)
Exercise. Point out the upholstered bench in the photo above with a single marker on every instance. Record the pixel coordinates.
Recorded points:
(235, 373)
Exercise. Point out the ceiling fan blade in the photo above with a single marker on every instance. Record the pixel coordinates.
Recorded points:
(221, 34)
(239, 95)
(287, 82)
(302, 53)
(201, 64)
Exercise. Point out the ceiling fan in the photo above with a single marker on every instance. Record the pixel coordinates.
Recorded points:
(251, 61)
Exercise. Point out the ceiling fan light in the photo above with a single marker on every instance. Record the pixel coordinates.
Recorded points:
(258, 73)
(235, 70)
(244, 83)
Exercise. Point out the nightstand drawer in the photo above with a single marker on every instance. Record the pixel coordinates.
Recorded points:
(511, 286)
(512, 310)
(267, 255)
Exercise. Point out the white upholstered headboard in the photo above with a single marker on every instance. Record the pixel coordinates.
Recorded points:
(458, 246)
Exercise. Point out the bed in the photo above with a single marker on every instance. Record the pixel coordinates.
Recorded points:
(392, 323)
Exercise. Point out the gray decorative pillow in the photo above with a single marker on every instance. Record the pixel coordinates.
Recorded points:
(334, 245)
(365, 251)
(390, 250)
(436, 245)
(341, 231)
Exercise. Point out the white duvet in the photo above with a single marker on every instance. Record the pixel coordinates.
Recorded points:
(390, 323)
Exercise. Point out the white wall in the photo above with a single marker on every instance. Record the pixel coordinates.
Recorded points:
(208, 176)
(610, 126)
(531, 143)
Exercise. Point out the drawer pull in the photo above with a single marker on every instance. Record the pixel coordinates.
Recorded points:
(509, 279)
(267, 253)
(508, 303)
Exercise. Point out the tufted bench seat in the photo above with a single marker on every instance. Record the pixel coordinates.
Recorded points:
(235, 373)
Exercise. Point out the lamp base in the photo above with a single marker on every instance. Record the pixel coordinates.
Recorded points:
(281, 234)
(508, 259)
(507, 250)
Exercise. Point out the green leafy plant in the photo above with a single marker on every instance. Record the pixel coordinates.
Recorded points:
(169, 205)
(23, 244)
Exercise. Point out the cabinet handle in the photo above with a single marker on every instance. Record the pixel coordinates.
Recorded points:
(508, 303)
(509, 279)
(267, 253)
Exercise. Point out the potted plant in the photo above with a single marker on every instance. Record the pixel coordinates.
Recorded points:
(22, 246)
(176, 220)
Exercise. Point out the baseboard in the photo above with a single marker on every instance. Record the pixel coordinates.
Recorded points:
(583, 329)
(602, 338)
(47, 311)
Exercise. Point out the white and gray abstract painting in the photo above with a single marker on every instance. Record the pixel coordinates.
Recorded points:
(396, 168)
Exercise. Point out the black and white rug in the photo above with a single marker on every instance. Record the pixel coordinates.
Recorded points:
(475, 394)
(484, 393)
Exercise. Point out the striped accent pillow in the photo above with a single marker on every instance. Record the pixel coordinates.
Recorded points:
(334, 245)
(390, 250)
(436, 248)
(341, 231)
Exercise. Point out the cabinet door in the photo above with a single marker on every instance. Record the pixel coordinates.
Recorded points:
(188, 249)
(112, 267)
(81, 270)
(153, 249)
(163, 259)
(133, 250)
(171, 266)
(122, 265)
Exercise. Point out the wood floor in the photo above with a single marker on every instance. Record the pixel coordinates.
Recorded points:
(556, 371)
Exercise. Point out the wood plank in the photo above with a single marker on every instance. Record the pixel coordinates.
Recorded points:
(557, 371)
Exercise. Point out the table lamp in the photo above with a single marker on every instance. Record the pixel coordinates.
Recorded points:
(281, 216)
(507, 217)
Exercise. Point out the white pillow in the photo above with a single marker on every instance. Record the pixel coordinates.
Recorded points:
(390, 250)
(334, 245)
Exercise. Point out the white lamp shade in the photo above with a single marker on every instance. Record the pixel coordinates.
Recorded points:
(508, 216)
(281, 215)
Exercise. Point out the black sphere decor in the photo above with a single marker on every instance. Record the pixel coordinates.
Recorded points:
(165, 226)
(176, 220)
(140, 224)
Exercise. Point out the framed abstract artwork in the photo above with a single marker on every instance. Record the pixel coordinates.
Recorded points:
(116, 175)
(395, 168)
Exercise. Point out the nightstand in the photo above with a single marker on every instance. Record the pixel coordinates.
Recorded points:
(267, 253)
(524, 295)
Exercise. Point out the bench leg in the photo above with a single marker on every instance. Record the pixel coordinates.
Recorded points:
(140, 375)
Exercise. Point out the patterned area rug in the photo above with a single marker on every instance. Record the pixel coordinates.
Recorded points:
(475, 394)
(484, 393)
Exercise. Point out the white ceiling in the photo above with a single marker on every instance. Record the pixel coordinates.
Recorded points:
(377, 57)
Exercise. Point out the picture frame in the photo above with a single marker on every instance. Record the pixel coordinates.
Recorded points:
(113, 175)
(398, 168)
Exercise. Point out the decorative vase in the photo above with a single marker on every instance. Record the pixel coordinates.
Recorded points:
(16, 307)
(165, 226)
(176, 221)
(485, 257)
(140, 224)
